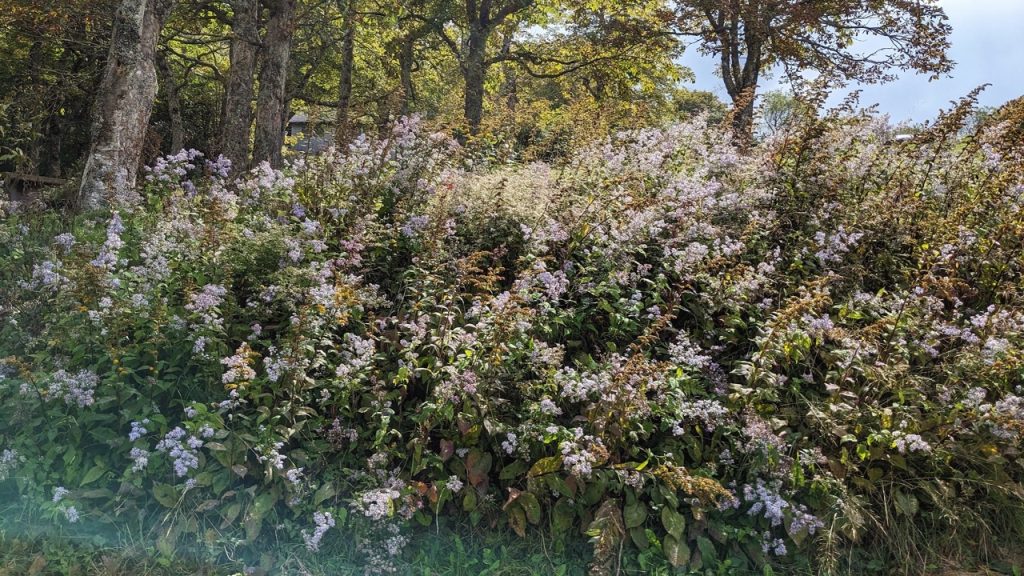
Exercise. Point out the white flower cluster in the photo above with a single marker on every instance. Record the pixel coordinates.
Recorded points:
(324, 521)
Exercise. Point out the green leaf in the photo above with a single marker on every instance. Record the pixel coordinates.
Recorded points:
(230, 515)
(264, 503)
(562, 515)
(558, 484)
(166, 495)
(253, 527)
(634, 514)
(531, 506)
(676, 551)
(513, 470)
(639, 537)
(545, 466)
(707, 550)
(906, 504)
(167, 541)
(673, 521)
(517, 520)
(323, 493)
(469, 501)
(93, 474)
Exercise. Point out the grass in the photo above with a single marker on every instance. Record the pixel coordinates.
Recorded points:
(31, 545)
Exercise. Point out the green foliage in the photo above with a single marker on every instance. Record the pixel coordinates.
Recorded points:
(802, 359)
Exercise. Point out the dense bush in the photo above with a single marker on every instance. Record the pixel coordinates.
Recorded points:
(807, 356)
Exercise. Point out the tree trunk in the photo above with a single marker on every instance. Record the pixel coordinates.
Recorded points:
(170, 90)
(238, 93)
(343, 121)
(405, 63)
(124, 102)
(270, 104)
(473, 72)
(511, 87)
(743, 118)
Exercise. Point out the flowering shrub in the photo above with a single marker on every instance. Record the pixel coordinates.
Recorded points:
(724, 359)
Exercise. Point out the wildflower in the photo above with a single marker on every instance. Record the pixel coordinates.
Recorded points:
(75, 389)
(378, 504)
(108, 255)
(272, 454)
(555, 284)
(905, 443)
(59, 493)
(548, 407)
(47, 275)
(578, 387)
(415, 225)
(582, 453)
(975, 396)
(221, 167)
(774, 546)
(239, 371)
(324, 521)
(211, 296)
(71, 513)
(803, 520)
(140, 459)
(294, 475)
(832, 247)
(181, 446)
(357, 354)
(711, 413)
(510, 443)
(818, 327)
(760, 437)
(8, 461)
(65, 241)
(453, 484)
(684, 353)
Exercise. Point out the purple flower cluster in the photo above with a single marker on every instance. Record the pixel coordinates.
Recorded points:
(907, 443)
(577, 387)
(205, 301)
(59, 493)
(765, 501)
(75, 389)
(65, 241)
(238, 369)
(183, 448)
(140, 458)
(47, 275)
(833, 247)
(414, 225)
(173, 167)
(108, 255)
(138, 430)
(818, 326)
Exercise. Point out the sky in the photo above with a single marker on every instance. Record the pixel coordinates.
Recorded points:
(987, 46)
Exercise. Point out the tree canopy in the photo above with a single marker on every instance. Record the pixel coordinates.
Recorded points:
(841, 41)
(228, 74)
